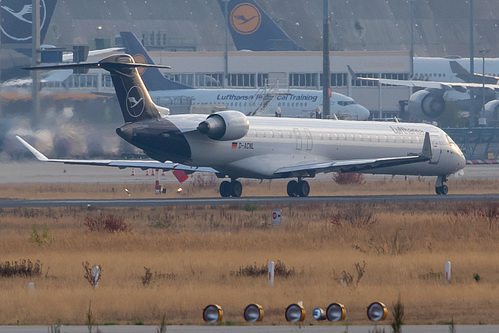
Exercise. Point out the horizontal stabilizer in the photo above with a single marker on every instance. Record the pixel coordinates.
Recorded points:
(89, 65)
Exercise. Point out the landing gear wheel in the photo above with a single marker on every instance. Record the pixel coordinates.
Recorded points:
(225, 189)
(237, 189)
(444, 190)
(440, 188)
(292, 188)
(303, 188)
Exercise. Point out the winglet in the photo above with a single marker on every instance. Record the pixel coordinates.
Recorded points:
(352, 73)
(426, 152)
(32, 149)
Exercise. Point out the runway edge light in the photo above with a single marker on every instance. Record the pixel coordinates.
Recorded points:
(295, 313)
(376, 311)
(319, 314)
(253, 313)
(213, 313)
(336, 312)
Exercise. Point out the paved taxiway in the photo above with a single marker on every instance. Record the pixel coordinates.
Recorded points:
(259, 329)
(10, 203)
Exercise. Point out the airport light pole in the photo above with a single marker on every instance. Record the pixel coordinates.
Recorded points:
(326, 76)
(411, 7)
(483, 52)
(226, 50)
(35, 56)
(472, 122)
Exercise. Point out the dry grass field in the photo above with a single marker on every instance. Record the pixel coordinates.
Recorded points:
(208, 187)
(196, 256)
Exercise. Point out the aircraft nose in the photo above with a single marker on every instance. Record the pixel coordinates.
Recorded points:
(363, 113)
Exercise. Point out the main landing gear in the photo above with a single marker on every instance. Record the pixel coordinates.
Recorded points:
(232, 188)
(440, 188)
(298, 188)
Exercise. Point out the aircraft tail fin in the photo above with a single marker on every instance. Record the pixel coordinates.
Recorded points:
(17, 22)
(252, 29)
(152, 77)
(133, 96)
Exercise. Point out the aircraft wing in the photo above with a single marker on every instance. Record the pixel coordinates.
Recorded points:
(354, 165)
(459, 86)
(362, 165)
(142, 164)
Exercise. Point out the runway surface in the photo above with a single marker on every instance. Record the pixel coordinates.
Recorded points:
(259, 329)
(12, 203)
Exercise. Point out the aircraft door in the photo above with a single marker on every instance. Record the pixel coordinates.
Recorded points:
(436, 150)
(310, 141)
(298, 138)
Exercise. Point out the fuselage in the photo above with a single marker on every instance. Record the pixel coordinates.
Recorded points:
(296, 103)
(274, 143)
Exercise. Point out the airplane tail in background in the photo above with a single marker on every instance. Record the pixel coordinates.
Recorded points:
(135, 101)
(152, 77)
(252, 29)
(16, 21)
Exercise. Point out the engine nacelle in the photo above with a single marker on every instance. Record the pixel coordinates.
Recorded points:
(425, 104)
(491, 112)
(225, 125)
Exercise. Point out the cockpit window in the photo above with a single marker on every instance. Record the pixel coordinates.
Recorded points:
(345, 103)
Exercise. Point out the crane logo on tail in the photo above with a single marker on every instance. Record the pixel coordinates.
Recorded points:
(17, 18)
(245, 18)
(135, 101)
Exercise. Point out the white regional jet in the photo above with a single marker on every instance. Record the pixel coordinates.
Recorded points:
(235, 146)
(300, 103)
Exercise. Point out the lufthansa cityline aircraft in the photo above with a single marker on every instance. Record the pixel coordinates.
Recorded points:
(235, 146)
(300, 103)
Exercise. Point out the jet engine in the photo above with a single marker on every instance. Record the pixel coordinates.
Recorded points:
(491, 112)
(225, 125)
(425, 104)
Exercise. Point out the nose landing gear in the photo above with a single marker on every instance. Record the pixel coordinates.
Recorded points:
(233, 188)
(440, 188)
(299, 188)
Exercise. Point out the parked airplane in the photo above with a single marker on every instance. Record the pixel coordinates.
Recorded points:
(252, 29)
(445, 80)
(235, 146)
(292, 102)
(456, 69)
